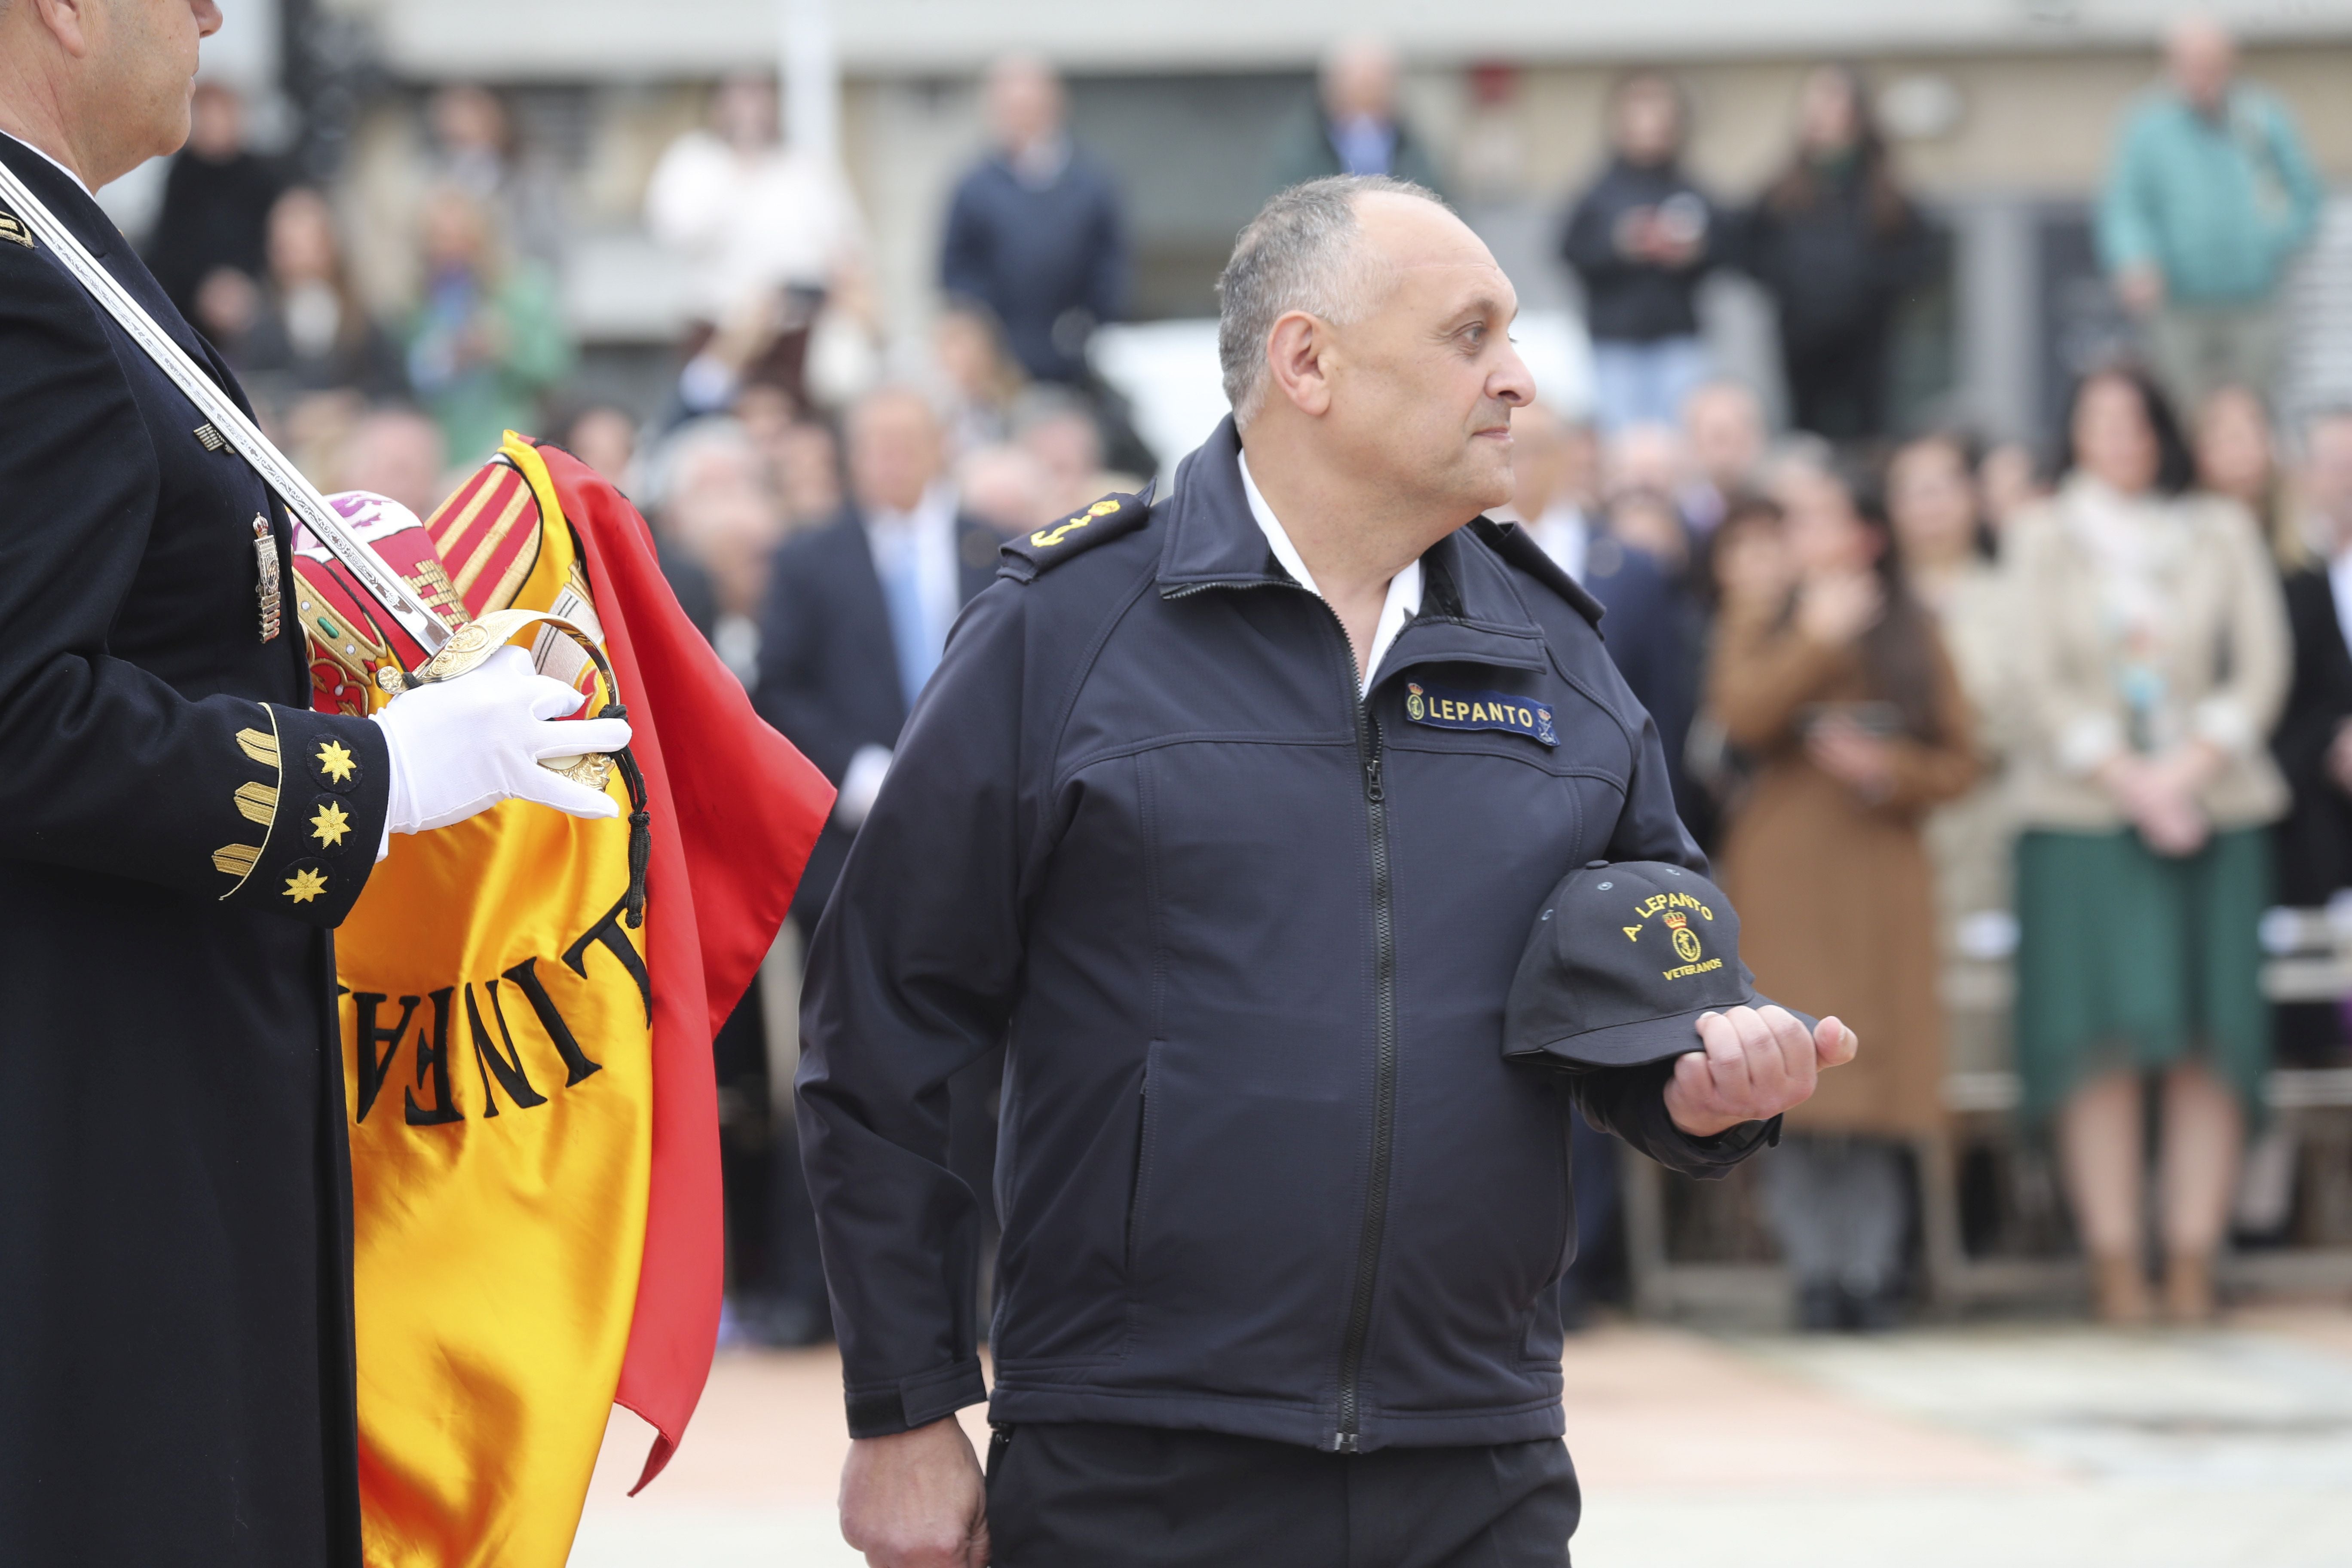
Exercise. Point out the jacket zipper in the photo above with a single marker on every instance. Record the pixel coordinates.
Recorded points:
(1384, 1073)
(1349, 1438)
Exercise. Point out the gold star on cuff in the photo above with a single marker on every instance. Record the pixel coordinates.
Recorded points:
(335, 761)
(304, 886)
(330, 825)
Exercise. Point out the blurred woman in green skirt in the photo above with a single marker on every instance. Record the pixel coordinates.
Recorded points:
(2152, 658)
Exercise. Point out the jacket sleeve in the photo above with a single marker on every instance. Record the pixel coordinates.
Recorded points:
(2305, 192)
(1940, 768)
(910, 977)
(2238, 715)
(110, 769)
(790, 691)
(1631, 1102)
(1760, 679)
(2075, 718)
(1106, 270)
(1588, 242)
(964, 272)
(2308, 724)
(2127, 231)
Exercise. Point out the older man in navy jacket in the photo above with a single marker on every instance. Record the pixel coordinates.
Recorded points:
(1187, 822)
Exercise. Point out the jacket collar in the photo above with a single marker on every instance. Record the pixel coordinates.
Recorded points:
(1470, 611)
(62, 194)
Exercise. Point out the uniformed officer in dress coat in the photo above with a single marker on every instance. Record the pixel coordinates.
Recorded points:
(179, 832)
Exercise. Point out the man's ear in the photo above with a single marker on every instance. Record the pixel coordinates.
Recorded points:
(70, 22)
(1295, 351)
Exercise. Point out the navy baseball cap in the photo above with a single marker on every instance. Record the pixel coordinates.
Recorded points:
(1625, 958)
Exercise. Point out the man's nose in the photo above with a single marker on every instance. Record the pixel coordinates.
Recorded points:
(1512, 383)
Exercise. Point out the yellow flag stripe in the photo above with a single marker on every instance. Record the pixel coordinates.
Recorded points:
(463, 520)
(481, 560)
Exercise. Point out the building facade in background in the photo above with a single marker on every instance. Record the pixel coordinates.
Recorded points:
(2003, 115)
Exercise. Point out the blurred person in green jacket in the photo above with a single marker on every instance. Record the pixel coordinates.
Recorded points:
(2210, 195)
(487, 339)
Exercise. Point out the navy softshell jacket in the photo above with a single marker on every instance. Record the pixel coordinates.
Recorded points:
(1263, 1169)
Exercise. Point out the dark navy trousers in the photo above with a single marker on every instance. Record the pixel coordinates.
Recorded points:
(1090, 1496)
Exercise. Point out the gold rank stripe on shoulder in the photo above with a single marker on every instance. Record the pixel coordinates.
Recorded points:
(236, 859)
(256, 803)
(1046, 538)
(262, 747)
(12, 229)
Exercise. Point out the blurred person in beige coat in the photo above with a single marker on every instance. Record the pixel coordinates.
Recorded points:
(1843, 692)
(2153, 657)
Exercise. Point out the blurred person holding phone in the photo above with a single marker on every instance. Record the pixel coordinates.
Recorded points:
(2152, 657)
(1642, 238)
(1843, 692)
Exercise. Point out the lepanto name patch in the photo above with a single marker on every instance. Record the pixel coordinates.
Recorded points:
(1445, 709)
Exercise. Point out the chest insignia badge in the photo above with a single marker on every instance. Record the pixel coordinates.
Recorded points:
(1441, 708)
(12, 229)
(266, 584)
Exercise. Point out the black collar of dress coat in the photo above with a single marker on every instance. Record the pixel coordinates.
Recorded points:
(80, 212)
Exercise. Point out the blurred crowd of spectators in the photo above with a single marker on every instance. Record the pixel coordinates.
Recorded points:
(1936, 704)
(1888, 667)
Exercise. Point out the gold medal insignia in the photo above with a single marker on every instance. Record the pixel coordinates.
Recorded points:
(265, 582)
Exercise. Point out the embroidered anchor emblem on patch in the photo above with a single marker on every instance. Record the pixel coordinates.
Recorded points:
(1443, 708)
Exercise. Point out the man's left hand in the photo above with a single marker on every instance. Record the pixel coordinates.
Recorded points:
(1757, 1062)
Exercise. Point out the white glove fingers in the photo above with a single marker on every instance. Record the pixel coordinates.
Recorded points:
(569, 798)
(553, 699)
(570, 740)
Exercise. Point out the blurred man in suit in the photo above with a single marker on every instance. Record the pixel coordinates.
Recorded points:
(858, 611)
(858, 614)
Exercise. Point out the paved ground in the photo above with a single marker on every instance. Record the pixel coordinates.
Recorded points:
(2025, 1447)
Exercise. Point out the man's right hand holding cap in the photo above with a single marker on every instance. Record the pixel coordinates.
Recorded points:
(1757, 1062)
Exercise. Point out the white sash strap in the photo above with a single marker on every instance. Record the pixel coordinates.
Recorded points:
(380, 582)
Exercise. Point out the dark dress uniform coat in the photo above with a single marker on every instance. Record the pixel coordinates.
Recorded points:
(178, 833)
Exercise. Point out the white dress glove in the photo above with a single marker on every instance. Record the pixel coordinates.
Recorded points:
(461, 746)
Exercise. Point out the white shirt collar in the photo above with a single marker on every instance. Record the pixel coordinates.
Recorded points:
(1404, 601)
(60, 168)
(1566, 535)
(1040, 163)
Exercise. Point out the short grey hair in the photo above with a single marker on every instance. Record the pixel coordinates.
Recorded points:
(1300, 253)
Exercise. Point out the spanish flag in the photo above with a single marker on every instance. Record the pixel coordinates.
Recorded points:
(536, 1206)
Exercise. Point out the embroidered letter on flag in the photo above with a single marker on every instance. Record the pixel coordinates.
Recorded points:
(534, 1133)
